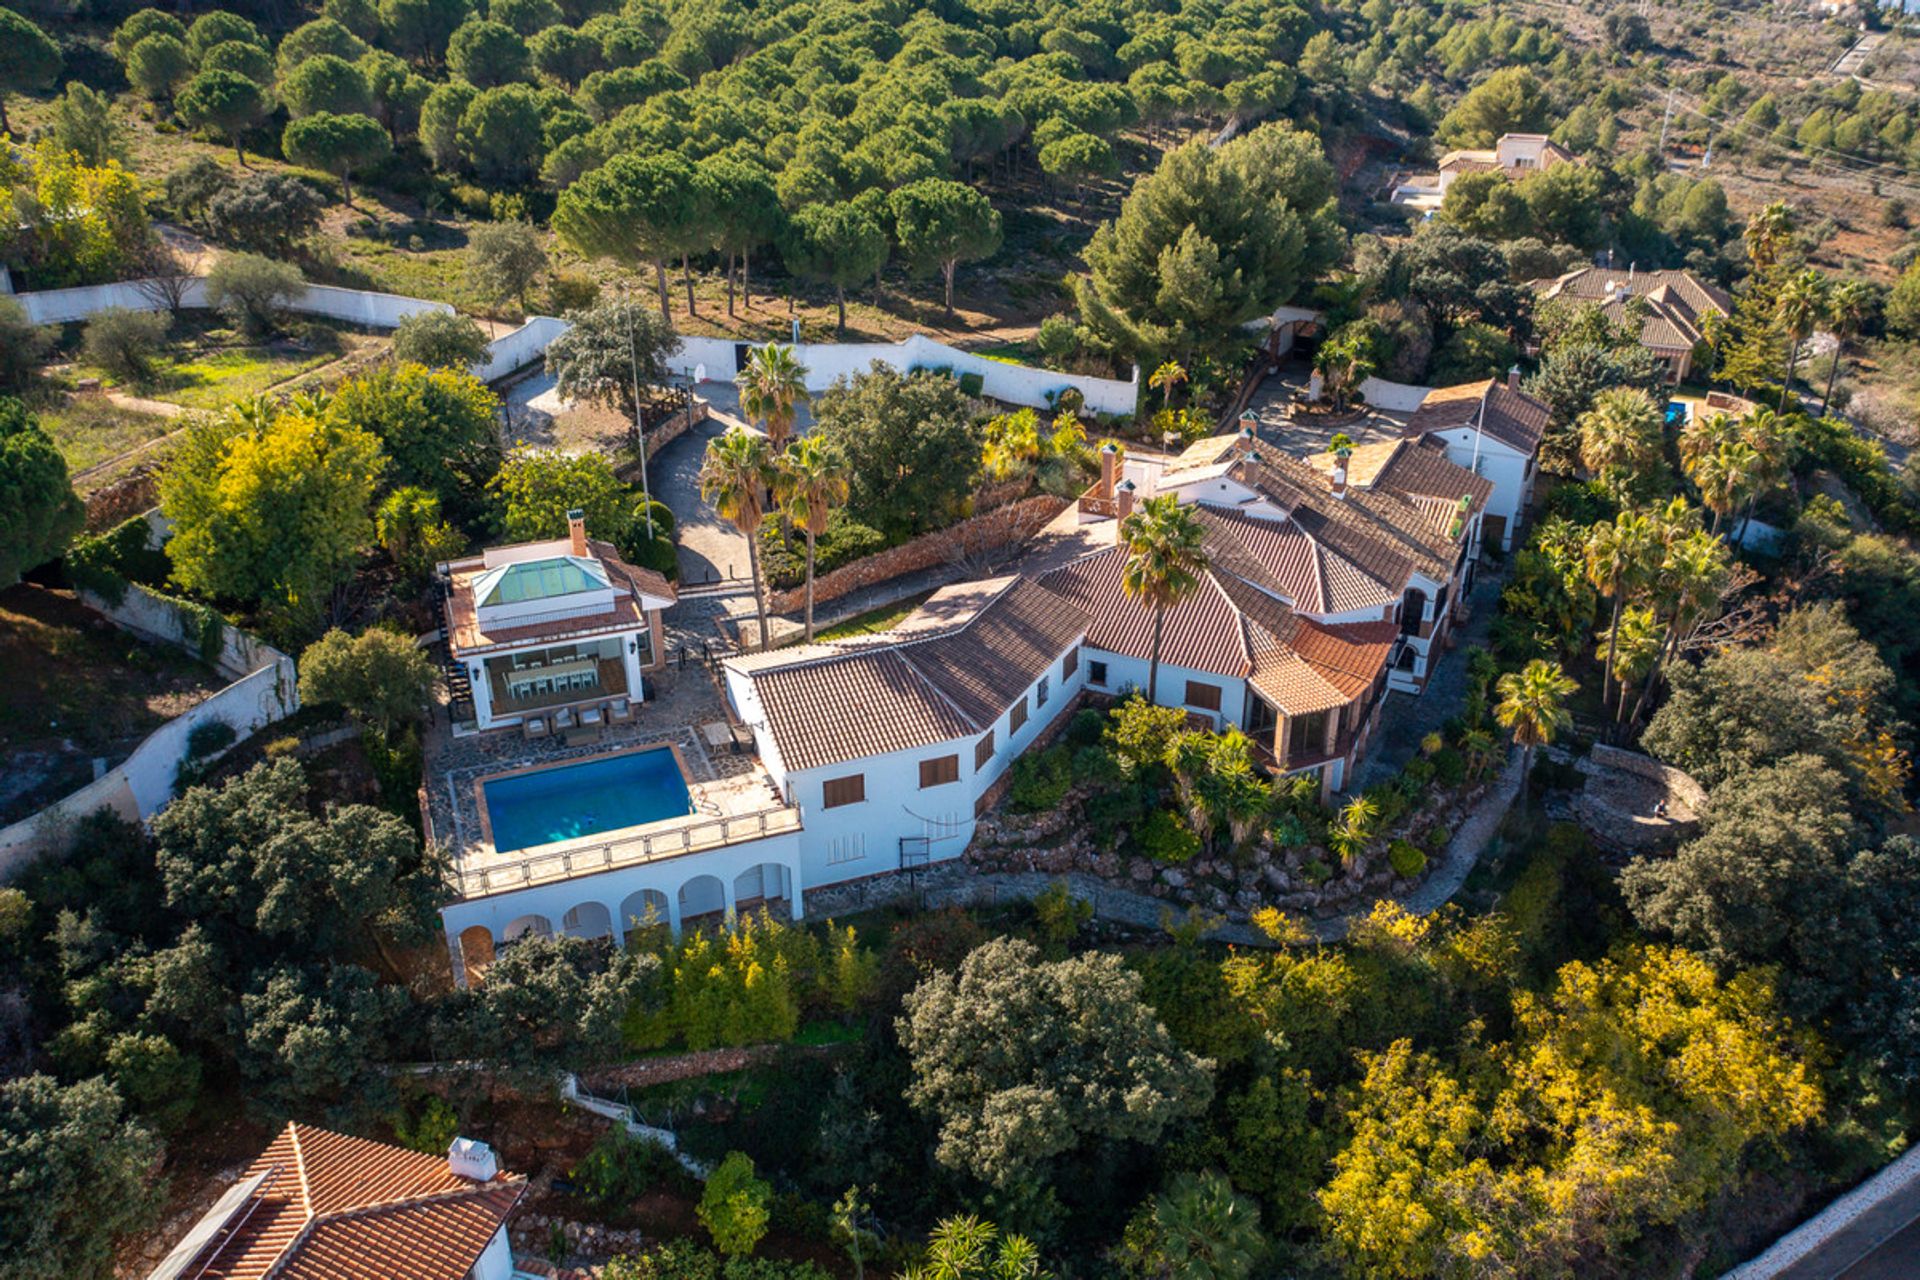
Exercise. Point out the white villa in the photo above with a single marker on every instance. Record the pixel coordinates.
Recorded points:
(1492, 429)
(546, 635)
(1330, 581)
(1514, 154)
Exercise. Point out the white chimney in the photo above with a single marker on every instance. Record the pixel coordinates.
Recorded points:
(577, 531)
(472, 1159)
(1123, 507)
(1340, 457)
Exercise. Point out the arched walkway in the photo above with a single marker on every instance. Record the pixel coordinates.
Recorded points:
(765, 884)
(476, 951)
(702, 896)
(539, 926)
(588, 920)
(642, 909)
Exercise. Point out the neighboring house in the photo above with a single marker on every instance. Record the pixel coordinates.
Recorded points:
(319, 1205)
(1492, 429)
(1515, 154)
(1669, 307)
(536, 627)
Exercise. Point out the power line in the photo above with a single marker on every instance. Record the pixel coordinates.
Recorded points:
(1908, 180)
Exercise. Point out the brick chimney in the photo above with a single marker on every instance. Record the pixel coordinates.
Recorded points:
(1513, 377)
(577, 531)
(1123, 504)
(1109, 468)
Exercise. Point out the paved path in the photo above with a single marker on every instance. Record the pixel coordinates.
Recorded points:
(956, 884)
(1870, 1233)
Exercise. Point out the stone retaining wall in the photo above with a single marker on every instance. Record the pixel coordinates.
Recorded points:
(996, 529)
(1678, 783)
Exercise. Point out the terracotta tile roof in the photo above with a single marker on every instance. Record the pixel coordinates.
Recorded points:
(467, 636)
(335, 1207)
(1293, 563)
(1425, 471)
(1202, 632)
(1511, 417)
(950, 670)
(1676, 302)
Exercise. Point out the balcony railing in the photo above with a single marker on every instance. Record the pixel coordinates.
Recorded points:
(565, 861)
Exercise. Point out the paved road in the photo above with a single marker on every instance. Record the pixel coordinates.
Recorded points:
(710, 547)
(1883, 1243)
(1897, 1259)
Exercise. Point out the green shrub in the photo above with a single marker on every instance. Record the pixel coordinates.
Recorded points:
(1290, 831)
(973, 383)
(1095, 766)
(1436, 838)
(1112, 811)
(105, 563)
(1167, 839)
(1407, 859)
(125, 342)
(1059, 914)
(621, 1168)
(209, 737)
(735, 1206)
(1419, 771)
(1449, 768)
(784, 559)
(432, 1131)
(1086, 727)
(1316, 871)
(1040, 780)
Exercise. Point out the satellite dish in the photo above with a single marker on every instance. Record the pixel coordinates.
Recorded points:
(699, 373)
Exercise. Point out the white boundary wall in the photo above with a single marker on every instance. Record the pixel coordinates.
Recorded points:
(827, 362)
(143, 784)
(1394, 397)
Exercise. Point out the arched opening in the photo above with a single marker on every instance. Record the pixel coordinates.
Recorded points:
(643, 910)
(764, 885)
(476, 951)
(702, 896)
(1413, 611)
(588, 920)
(537, 926)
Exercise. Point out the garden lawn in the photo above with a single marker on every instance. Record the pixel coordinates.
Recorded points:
(91, 429)
(208, 366)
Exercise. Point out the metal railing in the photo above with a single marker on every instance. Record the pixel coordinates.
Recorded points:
(694, 834)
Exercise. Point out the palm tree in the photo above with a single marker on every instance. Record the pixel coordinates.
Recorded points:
(1691, 578)
(772, 387)
(1849, 307)
(1533, 708)
(1164, 562)
(1802, 301)
(1206, 1231)
(1766, 434)
(1703, 434)
(812, 482)
(1768, 233)
(1619, 556)
(1619, 436)
(1349, 834)
(965, 1248)
(734, 477)
(1166, 379)
(1641, 640)
(1725, 477)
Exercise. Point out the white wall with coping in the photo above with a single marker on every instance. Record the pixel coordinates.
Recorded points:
(143, 784)
(826, 362)
(356, 306)
(520, 347)
(1394, 397)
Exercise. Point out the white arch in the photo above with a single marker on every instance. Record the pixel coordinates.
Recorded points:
(588, 920)
(763, 884)
(537, 925)
(703, 895)
(642, 907)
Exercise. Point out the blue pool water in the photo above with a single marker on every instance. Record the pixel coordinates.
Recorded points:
(585, 799)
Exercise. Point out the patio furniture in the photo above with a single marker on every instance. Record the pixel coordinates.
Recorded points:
(742, 739)
(591, 718)
(560, 677)
(534, 727)
(581, 734)
(717, 734)
(619, 711)
(563, 719)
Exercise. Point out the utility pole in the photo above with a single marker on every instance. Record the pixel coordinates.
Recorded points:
(639, 425)
(1664, 120)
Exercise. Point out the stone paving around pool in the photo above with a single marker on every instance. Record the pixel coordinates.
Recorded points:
(722, 782)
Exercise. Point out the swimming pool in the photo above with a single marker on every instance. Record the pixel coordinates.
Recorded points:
(566, 802)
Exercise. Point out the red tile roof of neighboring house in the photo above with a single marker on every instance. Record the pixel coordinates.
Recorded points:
(1511, 417)
(1674, 304)
(333, 1207)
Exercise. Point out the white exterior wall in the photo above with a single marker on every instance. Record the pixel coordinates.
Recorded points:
(1124, 672)
(1395, 397)
(496, 1262)
(1501, 465)
(520, 347)
(356, 306)
(828, 361)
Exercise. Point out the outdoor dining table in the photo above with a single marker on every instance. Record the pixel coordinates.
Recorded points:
(574, 674)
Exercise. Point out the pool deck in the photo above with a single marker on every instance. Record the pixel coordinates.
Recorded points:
(721, 784)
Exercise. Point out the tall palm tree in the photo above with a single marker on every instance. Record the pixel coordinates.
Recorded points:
(772, 388)
(1767, 235)
(1166, 379)
(1164, 562)
(1704, 433)
(1690, 581)
(1619, 557)
(1533, 708)
(1725, 477)
(1620, 437)
(812, 483)
(1641, 639)
(1766, 433)
(1802, 301)
(1849, 307)
(735, 475)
